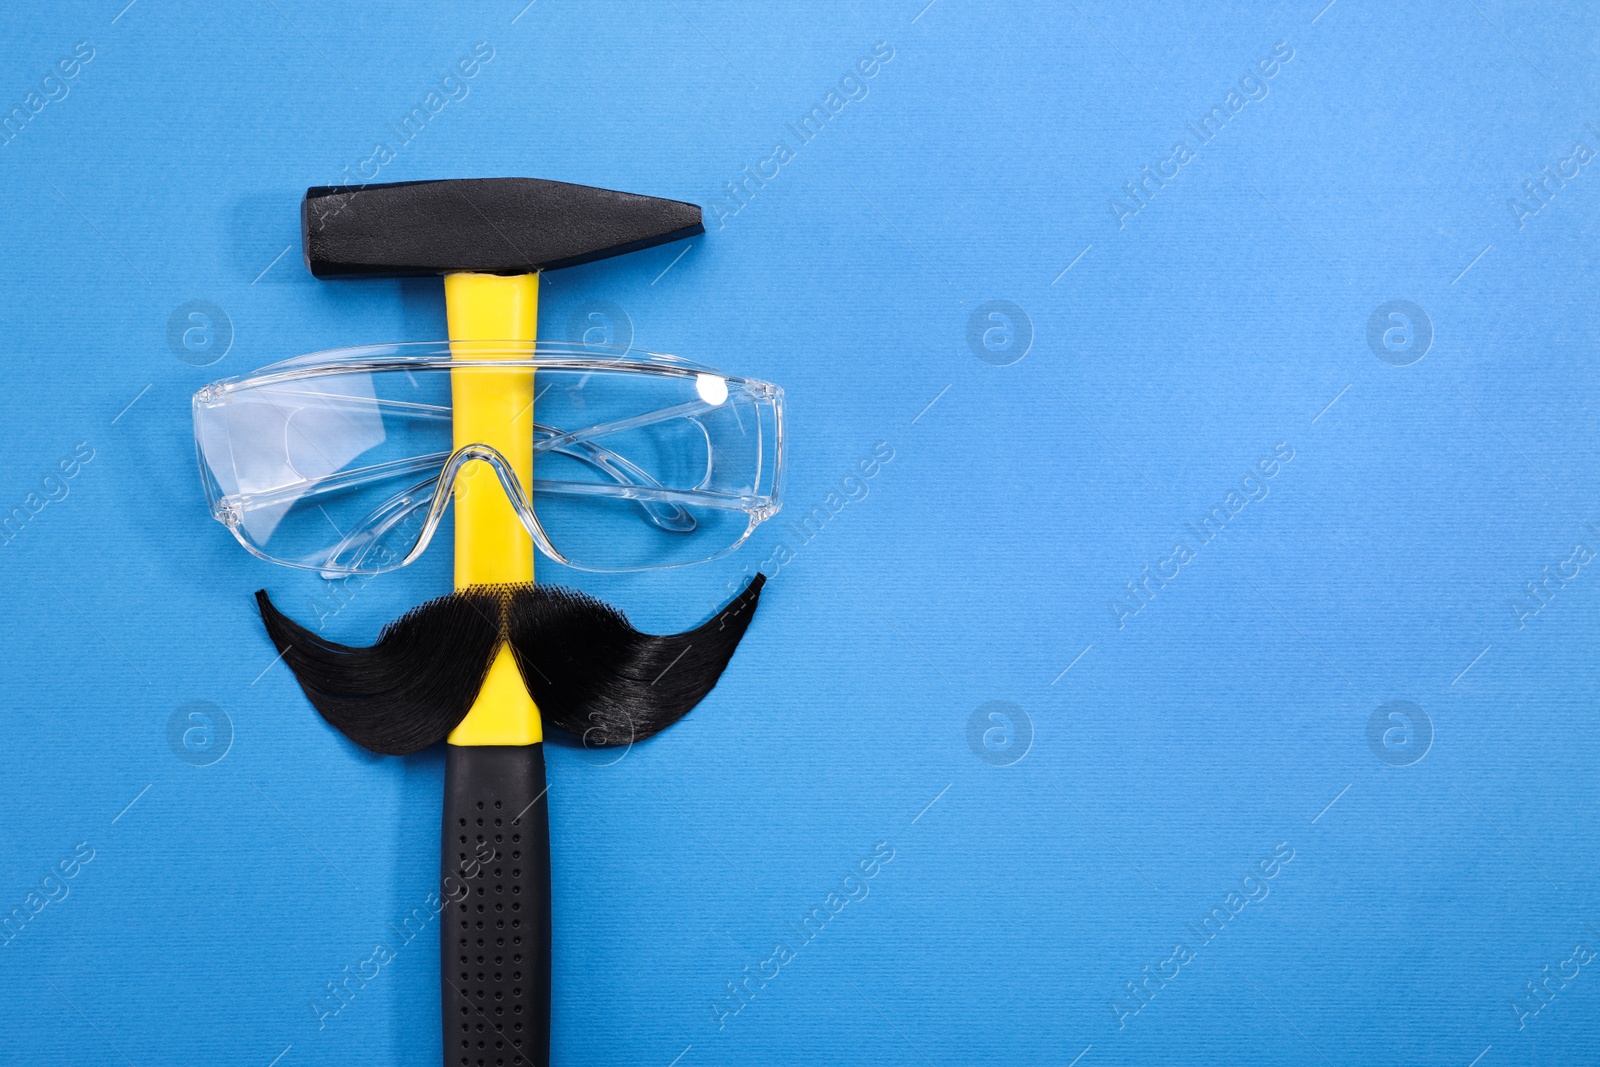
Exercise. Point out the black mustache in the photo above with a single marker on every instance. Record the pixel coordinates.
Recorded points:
(590, 672)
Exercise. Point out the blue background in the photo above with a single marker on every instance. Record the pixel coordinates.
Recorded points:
(1227, 716)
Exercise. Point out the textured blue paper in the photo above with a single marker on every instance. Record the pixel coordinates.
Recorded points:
(1428, 542)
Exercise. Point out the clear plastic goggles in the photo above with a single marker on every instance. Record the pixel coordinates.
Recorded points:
(342, 461)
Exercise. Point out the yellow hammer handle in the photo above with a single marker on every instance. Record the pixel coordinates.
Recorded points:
(495, 408)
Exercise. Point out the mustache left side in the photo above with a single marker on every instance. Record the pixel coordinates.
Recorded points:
(590, 672)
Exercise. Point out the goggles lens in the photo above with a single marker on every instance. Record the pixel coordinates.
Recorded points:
(342, 462)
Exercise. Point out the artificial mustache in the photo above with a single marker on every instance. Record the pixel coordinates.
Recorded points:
(590, 672)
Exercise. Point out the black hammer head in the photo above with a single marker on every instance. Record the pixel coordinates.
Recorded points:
(488, 225)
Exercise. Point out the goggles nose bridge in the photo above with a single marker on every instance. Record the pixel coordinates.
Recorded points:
(440, 487)
(454, 466)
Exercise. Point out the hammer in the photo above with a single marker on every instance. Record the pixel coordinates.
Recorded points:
(490, 238)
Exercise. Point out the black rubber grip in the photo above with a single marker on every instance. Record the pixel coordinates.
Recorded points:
(494, 942)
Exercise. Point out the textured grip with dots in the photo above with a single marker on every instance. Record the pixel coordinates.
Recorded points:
(494, 957)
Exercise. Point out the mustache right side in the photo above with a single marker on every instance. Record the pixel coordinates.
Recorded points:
(594, 675)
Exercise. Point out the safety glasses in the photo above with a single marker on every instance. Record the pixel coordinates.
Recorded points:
(343, 461)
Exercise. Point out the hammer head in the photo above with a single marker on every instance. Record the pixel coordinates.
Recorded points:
(486, 225)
